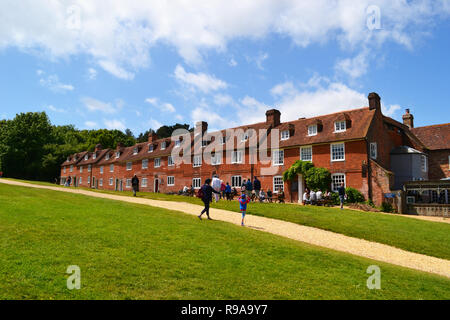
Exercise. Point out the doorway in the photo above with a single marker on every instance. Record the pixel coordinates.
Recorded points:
(119, 185)
(156, 185)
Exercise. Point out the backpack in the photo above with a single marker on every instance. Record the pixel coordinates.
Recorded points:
(200, 193)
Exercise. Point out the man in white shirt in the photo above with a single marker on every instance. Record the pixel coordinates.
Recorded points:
(215, 184)
(319, 195)
(312, 197)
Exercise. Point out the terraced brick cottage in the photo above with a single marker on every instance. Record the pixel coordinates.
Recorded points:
(355, 145)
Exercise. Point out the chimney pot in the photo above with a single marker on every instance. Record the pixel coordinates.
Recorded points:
(374, 101)
(273, 117)
(408, 119)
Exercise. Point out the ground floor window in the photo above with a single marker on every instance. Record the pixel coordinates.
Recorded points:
(128, 183)
(170, 180)
(80, 180)
(89, 180)
(197, 183)
(100, 182)
(336, 180)
(236, 181)
(144, 182)
(111, 181)
(278, 184)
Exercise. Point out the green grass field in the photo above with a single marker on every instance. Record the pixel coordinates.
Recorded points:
(128, 251)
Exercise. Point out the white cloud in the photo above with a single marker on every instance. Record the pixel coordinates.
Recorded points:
(168, 107)
(204, 113)
(52, 82)
(260, 59)
(92, 74)
(390, 110)
(232, 63)
(114, 124)
(354, 67)
(90, 124)
(96, 105)
(155, 124)
(164, 107)
(200, 81)
(119, 35)
(54, 109)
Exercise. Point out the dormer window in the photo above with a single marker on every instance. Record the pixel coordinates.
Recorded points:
(135, 150)
(117, 154)
(177, 143)
(312, 130)
(224, 140)
(94, 156)
(86, 157)
(204, 143)
(150, 148)
(340, 126)
(163, 145)
(284, 134)
(107, 156)
(244, 137)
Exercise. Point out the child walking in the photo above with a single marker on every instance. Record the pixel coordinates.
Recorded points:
(243, 200)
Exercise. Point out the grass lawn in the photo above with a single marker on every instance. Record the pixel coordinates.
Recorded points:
(128, 251)
(426, 237)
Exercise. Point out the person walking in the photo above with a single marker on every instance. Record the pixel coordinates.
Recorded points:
(135, 185)
(228, 191)
(341, 192)
(206, 195)
(257, 187)
(249, 188)
(216, 183)
(243, 200)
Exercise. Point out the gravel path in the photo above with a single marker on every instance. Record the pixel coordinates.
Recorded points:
(314, 236)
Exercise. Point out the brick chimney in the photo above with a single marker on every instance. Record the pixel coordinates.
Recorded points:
(119, 146)
(408, 119)
(152, 137)
(273, 117)
(374, 101)
(201, 125)
(98, 147)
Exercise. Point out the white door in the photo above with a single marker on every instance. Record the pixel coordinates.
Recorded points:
(300, 188)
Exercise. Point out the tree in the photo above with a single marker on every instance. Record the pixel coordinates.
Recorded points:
(166, 131)
(318, 178)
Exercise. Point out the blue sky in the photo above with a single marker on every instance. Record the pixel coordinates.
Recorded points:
(138, 66)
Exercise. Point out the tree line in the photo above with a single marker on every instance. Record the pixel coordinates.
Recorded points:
(32, 148)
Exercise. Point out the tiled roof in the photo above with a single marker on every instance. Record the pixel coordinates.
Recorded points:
(434, 137)
(91, 160)
(74, 159)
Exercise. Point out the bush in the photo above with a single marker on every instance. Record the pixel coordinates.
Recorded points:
(318, 178)
(335, 198)
(353, 195)
(387, 207)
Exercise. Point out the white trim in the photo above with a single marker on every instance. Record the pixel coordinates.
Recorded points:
(273, 183)
(111, 167)
(276, 157)
(314, 133)
(286, 137)
(170, 162)
(197, 161)
(129, 165)
(168, 183)
(331, 151)
(340, 129)
(238, 159)
(159, 163)
(199, 183)
(146, 163)
(338, 174)
(306, 147)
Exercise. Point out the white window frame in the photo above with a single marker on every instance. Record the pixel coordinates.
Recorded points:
(170, 181)
(80, 180)
(111, 168)
(144, 183)
(64, 168)
(100, 182)
(224, 140)
(129, 165)
(197, 161)
(312, 132)
(280, 182)
(424, 163)
(101, 169)
(333, 175)
(71, 168)
(94, 156)
(86, 157)
(117, 154)
(216, 159)
(301, 153)
(278, 157)
(177, 143)
(163, 145)
(111, 181)
(144, 163)
(340, 126)
(197, 183)
(89, 167)
(170, 162)
(285, 135)
(244, 137)
(373, 150)
(237, 156)
(150, 148)
(128, 183)
(81, 169)
(204, 143)
(107, 156)
(234, 183)
(157, 162)
(135, 150)
(331, 151)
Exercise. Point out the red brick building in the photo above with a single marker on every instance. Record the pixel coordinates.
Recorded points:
(354, 145)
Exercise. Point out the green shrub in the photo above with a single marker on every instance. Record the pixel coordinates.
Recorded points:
(318, 178)
(353, 195)
(335, 198)
(386, 207)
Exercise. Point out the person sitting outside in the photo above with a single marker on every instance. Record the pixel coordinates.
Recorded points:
(262, 196)
(312, 197)
(280, 197)
(319, 195)
(269, 195)
(228, 191)
(191, 191)
(306, 199)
